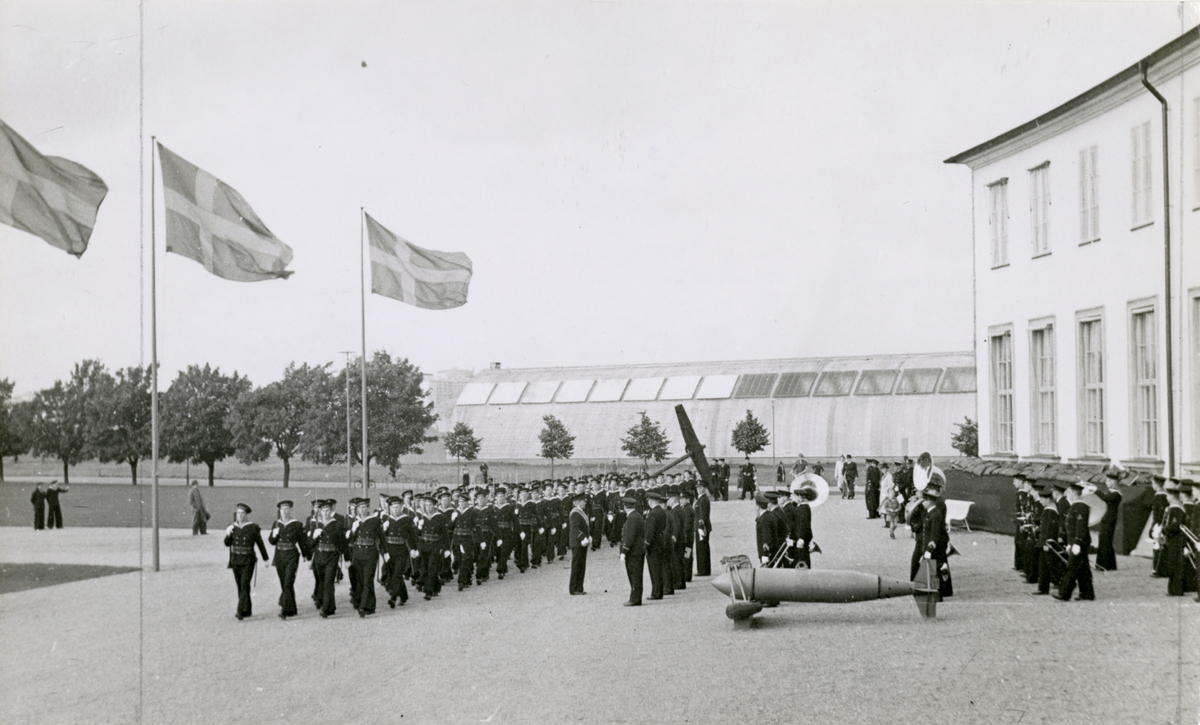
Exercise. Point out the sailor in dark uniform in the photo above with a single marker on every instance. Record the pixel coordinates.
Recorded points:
(327, 541)
(290, 540)
(1079, 542)
(1050, 568)
(1174, 546)
(935, 535)
(633, 549)
(580, 538)
(462, 540)
(241, 537)
(506, 527)
(703, 518)
(399, 540)
(1158, 508)
(1106, 554)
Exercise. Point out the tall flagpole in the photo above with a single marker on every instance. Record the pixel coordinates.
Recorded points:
(153, 365)
(366, 462)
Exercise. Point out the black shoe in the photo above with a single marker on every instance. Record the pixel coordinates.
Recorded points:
(240, 617)
(392, 603)
(324, 615)
(578, 593)
(654, 599)
(632, 604)
(428, 597)
(500, 577)
(1082, 598)
(362, 614)
(1060, 598)
(1038, 594)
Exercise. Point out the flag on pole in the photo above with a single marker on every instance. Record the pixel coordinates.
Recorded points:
(210, 223)
(421, 277)
(51, 198)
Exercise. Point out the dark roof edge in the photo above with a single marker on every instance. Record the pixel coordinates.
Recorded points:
(1133, 71)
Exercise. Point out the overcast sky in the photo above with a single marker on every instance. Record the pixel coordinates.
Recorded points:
(635, 182)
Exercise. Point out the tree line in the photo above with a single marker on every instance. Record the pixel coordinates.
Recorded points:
(207, 416)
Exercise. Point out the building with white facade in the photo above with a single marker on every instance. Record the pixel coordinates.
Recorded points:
(1087, 273)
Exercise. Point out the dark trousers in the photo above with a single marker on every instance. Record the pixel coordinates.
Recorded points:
(1050, 569)
(689, 553)
(431, 571)
(668, 569)
(1019, 549)
(917, 555)
(286, 564)
(1106, 555)
(522, 543)
(325, 566)
(364, 575)
(1079, 571)
(393, 575)
(199, 522)
(352, 569)
(564, 539)
(483, 561)
(597, 531)
(654, 563)
(615, 527)
(578, 568)
(872, 498)
(703, 557)
(634, 563)
(677, 582)
(1033, 561)
(243, 574)
(800, 556)
(464, 551)
(55, 519)
(39, 517)
(537, 546)
(849, 488)
(503, 550)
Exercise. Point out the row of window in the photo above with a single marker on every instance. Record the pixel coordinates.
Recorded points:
(1090, 384)
(1142, 188)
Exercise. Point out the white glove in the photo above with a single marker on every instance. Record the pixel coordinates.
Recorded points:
(766, 559)
(553, 531)
(1155, 530)
(622, 558)
(522, 536)
(687, 553)
(1075, 549)
(799, 542)
(701, 534)
(1046, 547)
(908, 526)
(499, 542)
(385, 524)
(447, 553)
(317, 533)
(587, 540)
(415, 554)
(790, 542)
(229, 530)
(462, 550)
(386, 556)
(541, 531)
(928, 555)
(482, 545)
(592, 518)
(354, 527)
(610, 517)
(275, 531)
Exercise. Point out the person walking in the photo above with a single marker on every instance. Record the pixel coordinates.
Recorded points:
(200, 515)
(580, 539)
(38, 499)
(291, 543)
(242, 536)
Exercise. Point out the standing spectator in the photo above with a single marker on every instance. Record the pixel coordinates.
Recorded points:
(38, 499)
(200, 515)
(633, 549)
(800, 466)
(1106, 555)
(54, 520)
(839, 474)
(850, 472)
(873, 488)
(780, 474)
(580, 540)
(746, 481)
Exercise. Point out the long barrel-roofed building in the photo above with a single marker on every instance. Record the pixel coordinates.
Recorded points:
(880, 405)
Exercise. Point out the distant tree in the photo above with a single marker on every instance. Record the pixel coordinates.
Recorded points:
(749, 436)
(194, 416)
(966, 439)
(557, 442)
(12, 434)
(462, 444)
(645, 440)
(279, 416)
(58, 417)
(119, 419)
(398, 416)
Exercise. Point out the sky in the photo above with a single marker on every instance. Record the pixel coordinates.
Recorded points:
(635, 182)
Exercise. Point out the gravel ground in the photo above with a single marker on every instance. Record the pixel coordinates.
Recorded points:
(165, 648)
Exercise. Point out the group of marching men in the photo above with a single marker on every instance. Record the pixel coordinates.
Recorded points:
(434, 539)
(1053, 538)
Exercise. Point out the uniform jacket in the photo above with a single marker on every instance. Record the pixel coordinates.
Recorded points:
(633, 535)
(289, 537)
(365, 538)
(656, 529)
(241, 542)
(580, 527)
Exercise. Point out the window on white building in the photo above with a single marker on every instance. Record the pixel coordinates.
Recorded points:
(1089, 196)
(1044, 428)
(1001, 351)
(998, 221)
(1039, 208)
(1091, 385)
(1143, 184)
(1143, 344)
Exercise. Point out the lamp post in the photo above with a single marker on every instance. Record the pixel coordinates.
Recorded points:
(349, 454)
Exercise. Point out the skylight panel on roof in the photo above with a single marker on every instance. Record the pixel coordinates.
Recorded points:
(876, 382)
(716, 387)
(643, 389)
(607, 391)
(795, 385)
(506, 393)
(475, 393)
(918, 381)
(540, 392)
(836, 383)
(958, 380)
(757, 385)
(679, 387)
(574, 391)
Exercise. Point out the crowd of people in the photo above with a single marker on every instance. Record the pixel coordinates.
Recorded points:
(662, 527)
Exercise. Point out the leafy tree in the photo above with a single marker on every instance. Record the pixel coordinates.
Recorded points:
(119, 418)
(279, 416)
(12, 439)
(194, 413)
(749, 436)
(58, 417)
(398, 421)
(966, 440)
(645, 440)
(557, 442)
(462, 444)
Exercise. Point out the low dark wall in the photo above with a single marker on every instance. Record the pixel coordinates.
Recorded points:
(996, 503)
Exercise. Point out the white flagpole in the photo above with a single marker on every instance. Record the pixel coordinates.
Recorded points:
(153, 365)
(363, 361)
